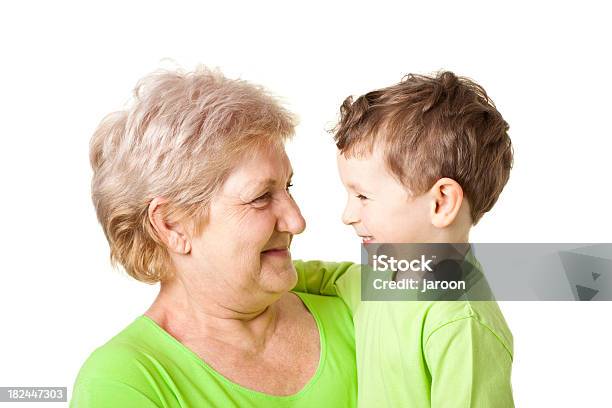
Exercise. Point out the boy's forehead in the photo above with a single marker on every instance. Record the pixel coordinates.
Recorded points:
(358, 171)
(368, 161)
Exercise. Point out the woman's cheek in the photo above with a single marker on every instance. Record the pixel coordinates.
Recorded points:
(258, 227)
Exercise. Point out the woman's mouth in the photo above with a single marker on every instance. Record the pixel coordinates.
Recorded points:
(277, 252)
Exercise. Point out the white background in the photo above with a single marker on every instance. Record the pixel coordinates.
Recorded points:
(64, 66)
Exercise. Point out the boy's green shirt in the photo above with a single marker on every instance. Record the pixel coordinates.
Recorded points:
(420, 353)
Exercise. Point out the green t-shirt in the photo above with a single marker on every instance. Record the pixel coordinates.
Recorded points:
(420, 353)
(144, 366)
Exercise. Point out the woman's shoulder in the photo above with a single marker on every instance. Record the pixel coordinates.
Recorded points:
(139, 353)
(116, 369)
(121, 352)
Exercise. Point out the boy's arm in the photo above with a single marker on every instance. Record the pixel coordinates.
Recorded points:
(469, 365)
(342, 279)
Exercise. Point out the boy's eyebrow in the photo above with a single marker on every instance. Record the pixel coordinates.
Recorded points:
(354, 186)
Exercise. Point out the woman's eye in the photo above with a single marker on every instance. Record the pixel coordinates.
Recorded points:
(261, 198)
(289, 186)
(361, 197)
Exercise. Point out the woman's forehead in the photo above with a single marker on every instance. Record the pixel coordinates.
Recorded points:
(262, 168)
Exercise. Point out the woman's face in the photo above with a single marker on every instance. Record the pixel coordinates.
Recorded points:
(244, 246)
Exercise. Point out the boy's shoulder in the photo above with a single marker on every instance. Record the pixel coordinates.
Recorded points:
(439, 316)
(443, 321)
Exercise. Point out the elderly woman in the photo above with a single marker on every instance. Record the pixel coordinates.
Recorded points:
(191, 186)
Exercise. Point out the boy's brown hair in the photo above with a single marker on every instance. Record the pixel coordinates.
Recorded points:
(431, 127)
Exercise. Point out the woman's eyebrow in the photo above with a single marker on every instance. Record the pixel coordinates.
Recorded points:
(260, 184)
(263, 183)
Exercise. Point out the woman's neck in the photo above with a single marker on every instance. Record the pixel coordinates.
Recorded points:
(194, 317)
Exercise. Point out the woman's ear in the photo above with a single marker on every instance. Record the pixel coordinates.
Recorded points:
(171, 234)
(447, 199)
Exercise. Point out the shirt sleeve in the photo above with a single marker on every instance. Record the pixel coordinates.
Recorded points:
(469, 366)
(106, 393)
(342, 279)
(112, 376)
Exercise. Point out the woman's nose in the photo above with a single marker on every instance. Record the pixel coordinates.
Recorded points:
(290, 218)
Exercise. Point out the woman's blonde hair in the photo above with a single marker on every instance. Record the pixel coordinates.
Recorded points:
(178, 139)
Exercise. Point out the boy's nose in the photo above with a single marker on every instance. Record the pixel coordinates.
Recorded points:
(350, 216)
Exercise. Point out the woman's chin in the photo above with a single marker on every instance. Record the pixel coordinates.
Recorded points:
(278, 277)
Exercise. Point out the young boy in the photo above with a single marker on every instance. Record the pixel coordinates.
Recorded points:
(422, 161)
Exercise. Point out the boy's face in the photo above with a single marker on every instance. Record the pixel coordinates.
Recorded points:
(379, 207)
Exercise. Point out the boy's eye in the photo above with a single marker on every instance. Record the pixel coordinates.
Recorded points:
(361, 197)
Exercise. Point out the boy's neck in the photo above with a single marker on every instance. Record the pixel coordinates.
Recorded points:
(458, 231)
(451, 235)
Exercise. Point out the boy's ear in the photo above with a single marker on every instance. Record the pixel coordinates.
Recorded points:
(447, 197)
(171, 234)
